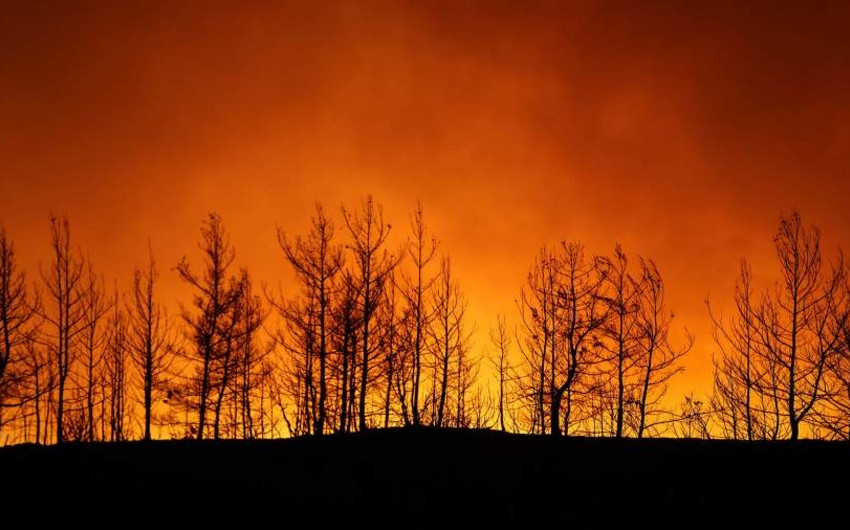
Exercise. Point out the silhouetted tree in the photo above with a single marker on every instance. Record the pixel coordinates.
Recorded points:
(449, 341)
(296, 378)
(250, 357)
(421, 252)
(214, 297)
(41, 383)
(116, 354)
(225, 370)
(64, 311)
(17, 327)
(346, 323)
(787, 339)
(833, 414)
(373, 264)
(501, 362)
(741, 411)
(623, 298)
(316, 261)
(595, 343)
(95, 306)
(538, 317)
(390, 321)
(800, 322)
(465, 377)
(657, 358)
(581, 315)
(150, 342)
(692, 420)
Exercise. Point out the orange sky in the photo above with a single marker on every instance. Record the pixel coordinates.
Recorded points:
(680, 133)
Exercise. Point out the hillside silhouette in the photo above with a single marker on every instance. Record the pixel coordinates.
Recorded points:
(408, 477)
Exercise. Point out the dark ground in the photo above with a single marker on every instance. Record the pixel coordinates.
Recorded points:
(413, 478)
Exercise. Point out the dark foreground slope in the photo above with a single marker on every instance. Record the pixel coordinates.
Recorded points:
(414, 477)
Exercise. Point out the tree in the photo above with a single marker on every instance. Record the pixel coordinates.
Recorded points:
(501, 342)
(373, 264)
(17, 326)
(150, 342)
(449, 341)
(799, 322)
(346, 323)
(296, 380)
(692, 420)
(740, 410)
(64, 312)
(316, 261)
(623, 298)
(94, 308)
(563, 313)
(657, 358)
(538, 317)
(224, 371)
(116, 354)
(250, 358)
(772, 376)
(582, 314)
(40, 380)
(421, 253)
(214, 297)
(390, 321)
(833, 414)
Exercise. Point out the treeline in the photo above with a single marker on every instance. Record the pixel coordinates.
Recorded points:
(375, 333)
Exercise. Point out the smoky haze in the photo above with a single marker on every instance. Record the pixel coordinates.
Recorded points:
(679, 133)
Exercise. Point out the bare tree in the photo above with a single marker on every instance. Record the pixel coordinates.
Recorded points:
(316, 261)
(296, 379)
(657, 357)
(17, 327)
(692, 420)
(390, 320)
(241, 369)
(225, 370)
(771, 376)
(740, 410)
(799, 323)
(116, 355)
(95, 305)
(214, 296)
(373, 263)
(582, 315)
(563, 314)
(421, 252)
(623, 298)
(538, 319)
(450, 341)
(465, 376)
(501, 342)
(150, 338)
(64, 312)
(40, 382)
(832, 416)
(346, 323)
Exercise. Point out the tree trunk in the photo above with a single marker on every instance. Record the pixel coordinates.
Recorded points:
(323, 390)
(620, 381)
(148, 391)
(202, 404)
(645, 393)
(343, 410)
(444, 379)
(364, 374)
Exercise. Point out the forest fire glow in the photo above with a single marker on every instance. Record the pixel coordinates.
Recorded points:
(543, 142)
